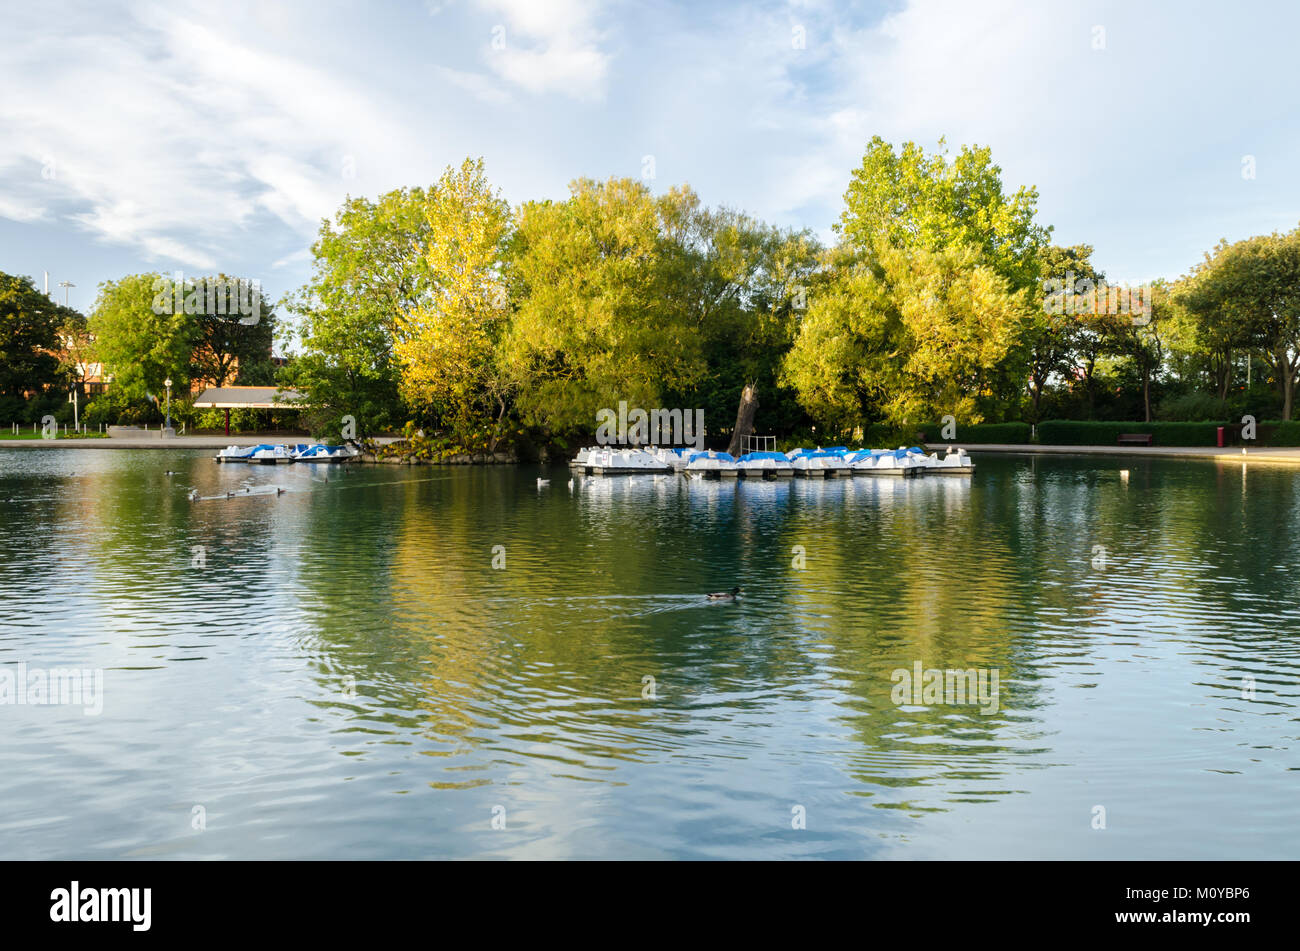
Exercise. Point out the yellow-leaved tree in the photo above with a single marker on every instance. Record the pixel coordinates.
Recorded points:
(447, 345)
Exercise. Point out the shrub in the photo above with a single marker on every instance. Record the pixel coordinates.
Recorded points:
(979, 433)
(1191, 406)
(1062, 432)
(1279, 433)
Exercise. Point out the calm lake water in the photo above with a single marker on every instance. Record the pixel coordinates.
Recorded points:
(340, 671)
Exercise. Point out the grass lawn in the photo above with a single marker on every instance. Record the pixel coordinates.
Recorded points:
(28, 434)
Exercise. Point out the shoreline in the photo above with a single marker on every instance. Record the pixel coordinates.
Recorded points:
(1233, 454)
(1282, 455)
(158, 442)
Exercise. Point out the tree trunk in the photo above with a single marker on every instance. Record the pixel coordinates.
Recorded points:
(1224, 373)
(744, 419)
(1288, 388)
(1146, 391)
(1284, 370)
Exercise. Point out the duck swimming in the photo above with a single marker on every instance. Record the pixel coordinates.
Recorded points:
(724, 595)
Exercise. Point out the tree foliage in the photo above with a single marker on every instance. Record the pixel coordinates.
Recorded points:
(140, 342)
(448, 343)
(29, 337)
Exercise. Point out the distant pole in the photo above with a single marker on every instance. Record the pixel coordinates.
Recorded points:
(47, 283)
(168, 383)
(65, 285)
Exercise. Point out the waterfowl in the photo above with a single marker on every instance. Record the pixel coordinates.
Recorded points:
(279, 490)
(724, 595)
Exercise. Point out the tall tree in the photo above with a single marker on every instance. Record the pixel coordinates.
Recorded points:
(910, 200)
(1051, 333)
(29, 338)
(1249, 292)
(368, 270)
(233, 346)
(140, 336)
(903, 336)
(601, 316)
(1142, 338)
(448, 344)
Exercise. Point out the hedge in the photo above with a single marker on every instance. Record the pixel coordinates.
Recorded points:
(977, 433)
(1279, 433)
(1065, 432)
(1062, 432)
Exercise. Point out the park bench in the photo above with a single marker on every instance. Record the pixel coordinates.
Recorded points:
(1135, 439)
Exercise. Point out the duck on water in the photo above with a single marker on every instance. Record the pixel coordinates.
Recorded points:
(731, 595)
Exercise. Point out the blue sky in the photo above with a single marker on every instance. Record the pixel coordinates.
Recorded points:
(205, 137)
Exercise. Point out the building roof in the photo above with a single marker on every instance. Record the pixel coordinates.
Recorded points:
(248, 397)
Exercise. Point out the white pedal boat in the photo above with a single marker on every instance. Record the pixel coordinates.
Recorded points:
(721, 465)
(321, 453)
(896, 462)
(818, 463)
(238, 453)
(764, 465)
(271, 455)
(624, 462)
(955, 462)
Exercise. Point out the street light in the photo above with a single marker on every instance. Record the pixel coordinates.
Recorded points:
(168, 383)
(65, 285)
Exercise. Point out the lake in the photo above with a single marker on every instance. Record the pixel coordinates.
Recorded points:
(421, 662)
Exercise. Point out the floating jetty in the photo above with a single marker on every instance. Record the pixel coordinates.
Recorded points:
(268, 454)
(829, 463)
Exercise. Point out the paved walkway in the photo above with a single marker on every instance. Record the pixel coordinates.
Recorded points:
(1233, 454)
(157, 442)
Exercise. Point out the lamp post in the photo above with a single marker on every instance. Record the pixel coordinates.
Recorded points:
(168, 383)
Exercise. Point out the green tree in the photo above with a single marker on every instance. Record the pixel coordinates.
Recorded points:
(140, 337)
(746, 286)
(902, 336)
(448, 345)
(910, 200)
(29, 338)
(233, 346)
(1050, 333)
(602, 313)
(368, 270)
(1247, 295)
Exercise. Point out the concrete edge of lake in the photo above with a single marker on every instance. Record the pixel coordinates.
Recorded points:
(155, 441)
(1233, 455)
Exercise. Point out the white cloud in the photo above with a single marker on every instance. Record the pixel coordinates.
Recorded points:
(545, 45)
(476, 84)
(21, 210)
(177, 138)
(192, 139)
